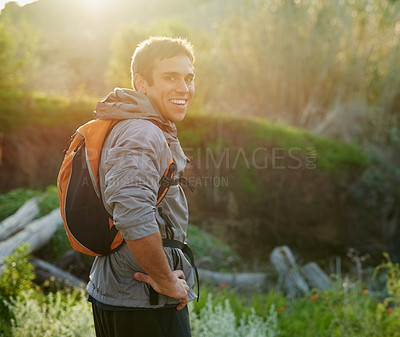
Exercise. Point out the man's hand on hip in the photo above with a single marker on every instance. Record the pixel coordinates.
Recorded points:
(149, 252)
(178, 289)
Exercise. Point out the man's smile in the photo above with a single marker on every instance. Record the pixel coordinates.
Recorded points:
(178, 101)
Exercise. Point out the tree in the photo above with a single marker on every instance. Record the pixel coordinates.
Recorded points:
(122, 48)
(8, 65)
(300, 61)
(18, 47)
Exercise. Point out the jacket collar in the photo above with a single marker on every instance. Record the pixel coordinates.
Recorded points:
(126, 104)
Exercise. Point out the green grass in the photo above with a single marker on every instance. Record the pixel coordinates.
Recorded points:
(249, 133)
(19, 108)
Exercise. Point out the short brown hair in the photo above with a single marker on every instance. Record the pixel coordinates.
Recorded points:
(157, 48)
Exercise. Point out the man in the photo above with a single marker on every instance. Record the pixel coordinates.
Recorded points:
(143, 288)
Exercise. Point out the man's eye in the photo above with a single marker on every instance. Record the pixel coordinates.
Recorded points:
(171, 78)
(189, 80)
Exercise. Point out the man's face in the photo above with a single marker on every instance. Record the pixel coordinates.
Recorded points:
(173, 87)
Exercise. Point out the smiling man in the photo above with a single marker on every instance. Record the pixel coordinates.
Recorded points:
(142, 289)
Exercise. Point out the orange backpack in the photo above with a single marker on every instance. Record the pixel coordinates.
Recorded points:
(89, 226)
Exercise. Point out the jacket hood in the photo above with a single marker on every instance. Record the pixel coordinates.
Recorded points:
(127, 104)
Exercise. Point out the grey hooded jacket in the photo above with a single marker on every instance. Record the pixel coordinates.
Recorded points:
(134, 157)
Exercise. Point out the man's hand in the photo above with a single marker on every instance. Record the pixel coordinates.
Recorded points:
(179, 290)
(149, 253)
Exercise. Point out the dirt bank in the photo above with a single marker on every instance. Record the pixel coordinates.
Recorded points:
(32, 156)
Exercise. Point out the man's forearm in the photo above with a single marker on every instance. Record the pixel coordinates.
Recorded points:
(149, 253)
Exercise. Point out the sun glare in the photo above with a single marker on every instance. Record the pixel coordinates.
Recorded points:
(19, 2)
(92, 4)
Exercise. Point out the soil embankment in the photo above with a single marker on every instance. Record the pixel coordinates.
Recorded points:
(31, 156)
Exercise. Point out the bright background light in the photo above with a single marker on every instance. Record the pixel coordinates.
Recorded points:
(19, 2)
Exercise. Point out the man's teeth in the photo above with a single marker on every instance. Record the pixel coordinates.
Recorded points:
(178, 101)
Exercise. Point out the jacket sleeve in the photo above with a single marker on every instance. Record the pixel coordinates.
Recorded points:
(134, 165)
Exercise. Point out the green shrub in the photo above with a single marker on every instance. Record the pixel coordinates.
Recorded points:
(16, 277)
(240, 303)
(346, 309)
(216, 319)
(17, 273)
(340, 311)
(55, 315)
(392, 282)
(50, 201)
(58, 245)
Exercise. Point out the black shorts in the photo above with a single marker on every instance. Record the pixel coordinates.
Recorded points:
(165, 322)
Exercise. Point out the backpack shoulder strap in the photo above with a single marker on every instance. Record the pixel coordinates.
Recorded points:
(95, 133)
(166, 180)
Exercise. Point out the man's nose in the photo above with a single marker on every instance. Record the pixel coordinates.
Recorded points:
(182, 86)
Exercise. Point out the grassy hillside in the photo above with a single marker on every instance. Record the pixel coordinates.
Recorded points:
(18, 109)
(252, 133)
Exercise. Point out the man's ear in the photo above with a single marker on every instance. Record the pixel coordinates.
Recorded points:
(140, 83)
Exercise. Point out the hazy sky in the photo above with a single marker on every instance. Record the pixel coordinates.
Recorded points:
(20, 2)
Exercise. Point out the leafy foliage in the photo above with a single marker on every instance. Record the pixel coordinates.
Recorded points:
(296, 61)
(15, 278)
(17, 273)
(57, 246)
(346, 309)
(55, 315)
(50, 201)
(123, 46)
(18, 44)
(219, 320)
(392, 273)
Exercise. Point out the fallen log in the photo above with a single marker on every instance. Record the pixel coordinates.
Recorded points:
(36, 234)
(315, 276)
(239, 281)
(45, 271)
(290, 279)
(14, 223)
